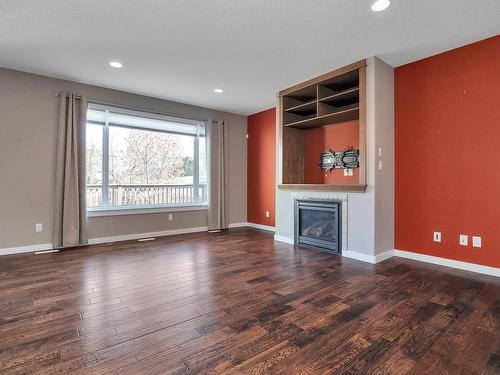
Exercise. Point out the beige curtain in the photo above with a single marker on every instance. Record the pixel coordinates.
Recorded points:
(70, 208)
(217, 177)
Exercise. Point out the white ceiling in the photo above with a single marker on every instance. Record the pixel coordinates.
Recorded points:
(182, 49)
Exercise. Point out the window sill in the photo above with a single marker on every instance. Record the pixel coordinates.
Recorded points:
(117, 211)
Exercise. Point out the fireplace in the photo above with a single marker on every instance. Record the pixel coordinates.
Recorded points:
(317, 224)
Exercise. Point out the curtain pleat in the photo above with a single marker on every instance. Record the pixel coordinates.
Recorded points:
(70, 203)
(217, 178)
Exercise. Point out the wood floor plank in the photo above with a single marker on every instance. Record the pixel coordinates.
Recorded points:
(239, 303)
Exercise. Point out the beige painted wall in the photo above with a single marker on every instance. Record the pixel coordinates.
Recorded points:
(28, 118)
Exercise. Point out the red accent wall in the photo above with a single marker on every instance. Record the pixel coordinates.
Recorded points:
(447, 139)
(261, 167)
(337, 138)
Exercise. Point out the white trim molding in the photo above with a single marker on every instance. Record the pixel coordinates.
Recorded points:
(284, 239)
(251, 225)
(237, 225)
(358, 256)
(385, 255)
(367, 257)
(260, 226)
(128, 210)
(137, 236)
(26, 249)
(472, 267)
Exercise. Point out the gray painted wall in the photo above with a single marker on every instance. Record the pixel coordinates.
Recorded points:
(384, 138)
(28, 119)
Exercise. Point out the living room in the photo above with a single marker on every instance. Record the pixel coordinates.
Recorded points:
(249, 187)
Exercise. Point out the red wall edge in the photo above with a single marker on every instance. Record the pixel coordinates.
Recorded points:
(447, 139)
(261, 167)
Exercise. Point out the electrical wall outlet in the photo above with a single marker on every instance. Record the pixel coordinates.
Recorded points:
(170, 217)
(268, 214)
(38, 227)
(476, 241)
(380, 151)
(346, 172)
(380, 165)
(463, 240)
(437, 236)
(351, 172)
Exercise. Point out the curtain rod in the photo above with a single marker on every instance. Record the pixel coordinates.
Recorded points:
(131, 107)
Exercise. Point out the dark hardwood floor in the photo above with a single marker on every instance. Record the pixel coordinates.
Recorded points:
(238, 302)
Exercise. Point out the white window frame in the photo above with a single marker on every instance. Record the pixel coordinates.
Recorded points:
(106, 209)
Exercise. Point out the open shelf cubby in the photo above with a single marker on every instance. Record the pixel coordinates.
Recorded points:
(331, 99)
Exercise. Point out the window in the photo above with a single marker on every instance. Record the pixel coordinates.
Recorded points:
(140, 160)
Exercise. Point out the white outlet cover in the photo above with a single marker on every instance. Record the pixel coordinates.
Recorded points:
(351, 172)
(476, 241)
(39, 227)
(437, 236)
(380, 165)
(346, 172)
(380, 151)
(268, 214)
(463, 240)
(170, 217)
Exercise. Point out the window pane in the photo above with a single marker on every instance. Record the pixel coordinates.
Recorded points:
(147, 121)
(94, 165)
(203, 170)
(149, 168)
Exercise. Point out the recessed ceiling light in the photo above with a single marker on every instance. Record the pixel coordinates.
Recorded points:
(218, 91)
(115, 64)
(380, 5)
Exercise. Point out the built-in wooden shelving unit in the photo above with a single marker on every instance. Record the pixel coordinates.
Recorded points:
(327, 100)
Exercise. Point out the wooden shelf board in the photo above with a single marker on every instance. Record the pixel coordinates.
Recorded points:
(303, 106)
(340, 94)
(328, 119)
(356, 188)
(323, 77)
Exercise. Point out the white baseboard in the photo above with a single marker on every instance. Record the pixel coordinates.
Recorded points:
(251, 225)
(26, 249)
(284, 239)
(260, 226)
(359, 256)
(385, 255)
(237, 225)
(472, 267)
(136, 236)
(368, 258)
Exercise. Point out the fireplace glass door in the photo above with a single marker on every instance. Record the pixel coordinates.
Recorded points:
(317, 224)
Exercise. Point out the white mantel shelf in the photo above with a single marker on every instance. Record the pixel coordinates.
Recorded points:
(324, 187)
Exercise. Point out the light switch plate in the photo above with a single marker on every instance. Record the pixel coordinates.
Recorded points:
(437, 236)
(476, 241)
(463, 240)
